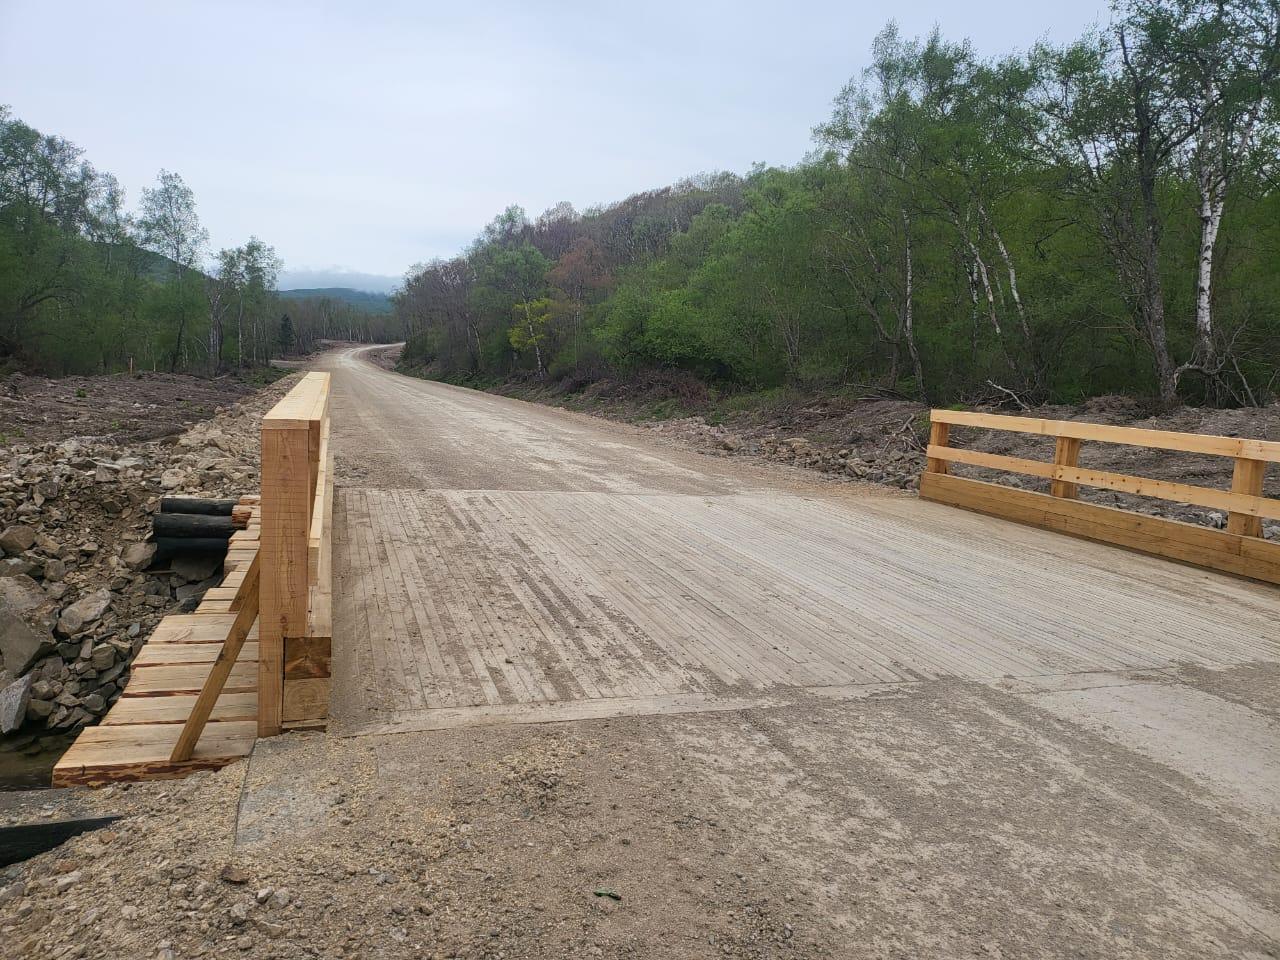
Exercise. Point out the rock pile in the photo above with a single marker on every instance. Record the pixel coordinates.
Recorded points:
(79, 592)
(895, 462)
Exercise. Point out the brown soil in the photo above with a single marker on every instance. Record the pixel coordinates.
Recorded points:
(121, 408)
(948, 820)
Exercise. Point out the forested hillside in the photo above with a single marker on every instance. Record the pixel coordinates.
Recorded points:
(1101, 217)
(88, 286)
(364, 299)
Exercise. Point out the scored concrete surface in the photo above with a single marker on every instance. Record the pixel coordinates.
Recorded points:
(491, 554)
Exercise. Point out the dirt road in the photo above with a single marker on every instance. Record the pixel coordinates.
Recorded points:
(796, 721)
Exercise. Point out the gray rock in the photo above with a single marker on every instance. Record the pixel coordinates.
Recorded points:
(20, 594)
(94, 703)
(13, 704)
(21, 644)
(103, 656)
(54, 570)
(137, 556)
(83, 612)
(39, 709)
(67, 881)
(16, 567)
(44, 689)
(17, 539)
(171, 480)
(193, 569)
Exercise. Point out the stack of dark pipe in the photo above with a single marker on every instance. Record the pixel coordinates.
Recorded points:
(196, 525)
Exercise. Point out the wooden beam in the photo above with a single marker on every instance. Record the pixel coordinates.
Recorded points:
(108, 754)
(286, 509)
(291, 472)
(1172, 539)
(1267, 450)
(1065, 454)
(1250, 506)
(306, 699)
(1246, 480)
(939, 436)
(307, 658)
(226, 659)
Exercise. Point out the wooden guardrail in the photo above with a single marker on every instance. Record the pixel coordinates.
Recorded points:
(1239, 549)
(295, 626)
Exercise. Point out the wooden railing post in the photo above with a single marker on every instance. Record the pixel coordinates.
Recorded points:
(1246, 478)
(287, 473)
(1066, 453)
(939, 436)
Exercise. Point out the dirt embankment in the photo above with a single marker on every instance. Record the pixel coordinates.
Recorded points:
(120, 408)
(875, 440)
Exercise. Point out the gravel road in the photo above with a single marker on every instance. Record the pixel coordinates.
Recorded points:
(1102, 814)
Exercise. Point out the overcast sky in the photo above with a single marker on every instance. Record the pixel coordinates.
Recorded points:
(369, 136)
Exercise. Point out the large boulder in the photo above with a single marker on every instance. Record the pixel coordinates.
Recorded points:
(16, 567)
(17, 539)
(21, 644)
(83, 612)
(13, 704)
(195, 568)
(20, 594)
(137, 556)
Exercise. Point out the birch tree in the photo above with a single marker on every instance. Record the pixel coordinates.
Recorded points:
(1227, 59)
(171, 227)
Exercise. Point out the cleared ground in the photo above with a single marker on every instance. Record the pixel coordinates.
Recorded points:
(815, 722)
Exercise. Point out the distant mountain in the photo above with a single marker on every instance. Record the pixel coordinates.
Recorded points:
(337, 277)
(371, 302)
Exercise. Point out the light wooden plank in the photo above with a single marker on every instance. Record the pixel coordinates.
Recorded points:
(107, 754)
(1244, 504)
(1172, 539)
(233, 649)
(162, 654)
(177, 708)
(187, 678)
(195, 628)
(286, 510)
(208, 606)
(1246, 480)
(1267, 450)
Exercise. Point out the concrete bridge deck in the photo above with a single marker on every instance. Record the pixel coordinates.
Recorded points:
(497, 561)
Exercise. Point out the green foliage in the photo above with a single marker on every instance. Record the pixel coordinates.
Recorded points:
(85, 287)
(968, 229)
(363, 300)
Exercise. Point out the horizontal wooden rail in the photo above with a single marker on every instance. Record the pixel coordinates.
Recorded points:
(1239, 549)
(1267, 450)
(1123, 482)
